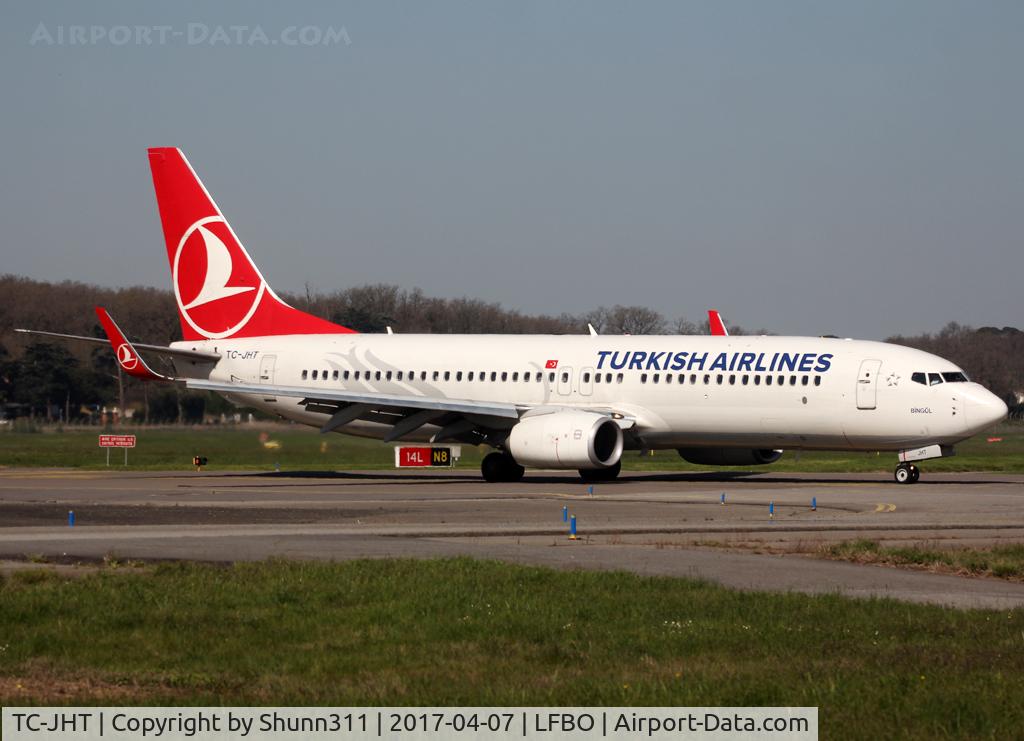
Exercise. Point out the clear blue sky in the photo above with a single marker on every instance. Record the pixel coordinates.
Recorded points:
(808, 167)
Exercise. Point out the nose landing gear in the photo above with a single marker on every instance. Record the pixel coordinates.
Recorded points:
(907, 473)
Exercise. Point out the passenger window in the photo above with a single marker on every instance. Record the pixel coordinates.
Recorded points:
(334, 375)
(618, 378)
(540, 376)
(565, 377)
(388, 376)
(707, 378)
(607, 377)
(693, 378)
(494, 375)
(469, 376)
(399, 375)
(305, 375)
(817, 380)
(526, 377)
(345, 375)
(668, 378)
(782, 381)
(597, 378)
(804, 381)
(682, 378)
(732, 379)
(934, 379)
(323, 375)
(757, 380)
(718, 380)
(746, 380)
(515, 376)
(792, 380)
(458, 376)
(436, 376)
(643, 378)
(314, 375)
(504, 375)
(656, 377)
(423, 375)
(767, 380)
(586, 378)
(447, 375)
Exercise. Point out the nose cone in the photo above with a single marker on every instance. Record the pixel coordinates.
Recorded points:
(984, 408)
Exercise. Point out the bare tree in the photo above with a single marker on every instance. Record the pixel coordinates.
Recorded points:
(634, 320)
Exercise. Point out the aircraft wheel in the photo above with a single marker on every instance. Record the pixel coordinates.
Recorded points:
(497, 467)
(915, 474)
(601, 474)
(905, 474)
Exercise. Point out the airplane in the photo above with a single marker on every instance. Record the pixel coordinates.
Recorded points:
(572, 402)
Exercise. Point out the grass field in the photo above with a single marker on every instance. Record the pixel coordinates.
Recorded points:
(1003, 562)
(483, 633)
(294, 447)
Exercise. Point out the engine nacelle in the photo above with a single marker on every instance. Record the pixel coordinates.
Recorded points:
(729, 456)
(566, 439)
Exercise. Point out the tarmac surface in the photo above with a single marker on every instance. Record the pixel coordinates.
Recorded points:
(655, 524)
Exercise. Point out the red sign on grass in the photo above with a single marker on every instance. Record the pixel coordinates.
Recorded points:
(117, 441)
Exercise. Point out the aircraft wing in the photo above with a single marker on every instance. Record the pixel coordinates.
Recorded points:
(460, 419)
(330, 396)
(172, 352)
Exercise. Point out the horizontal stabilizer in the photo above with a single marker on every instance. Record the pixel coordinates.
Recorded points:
(171, 352)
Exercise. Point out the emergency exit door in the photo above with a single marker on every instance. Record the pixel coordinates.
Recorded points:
(867, 384)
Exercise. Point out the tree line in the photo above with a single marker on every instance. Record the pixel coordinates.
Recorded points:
(71, 381)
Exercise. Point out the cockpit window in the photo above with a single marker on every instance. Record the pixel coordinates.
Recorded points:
(933, 379)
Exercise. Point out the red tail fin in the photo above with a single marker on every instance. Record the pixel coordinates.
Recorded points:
(219, 290)
(716, 324)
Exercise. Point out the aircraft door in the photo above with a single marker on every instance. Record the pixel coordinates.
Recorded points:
(565, 381)
(267, 363)
(867, 384)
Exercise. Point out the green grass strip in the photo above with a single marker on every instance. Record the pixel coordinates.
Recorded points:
(1004, 561)
(291, 448)
(469, 632)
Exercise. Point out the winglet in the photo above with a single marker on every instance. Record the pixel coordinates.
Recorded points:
(716, 324)
(127, 356)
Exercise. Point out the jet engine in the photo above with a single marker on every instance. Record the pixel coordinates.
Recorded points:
(566, 439)
(729, 456)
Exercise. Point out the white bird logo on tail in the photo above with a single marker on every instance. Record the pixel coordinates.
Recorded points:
(225, 319)
(218, 272)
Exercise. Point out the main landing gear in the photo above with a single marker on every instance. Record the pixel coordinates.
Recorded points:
(601, 474)
(907, 473)
(497, 467)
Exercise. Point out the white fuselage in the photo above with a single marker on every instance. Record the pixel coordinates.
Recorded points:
(682, 391)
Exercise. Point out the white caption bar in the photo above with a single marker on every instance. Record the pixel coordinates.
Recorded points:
(436, 724)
